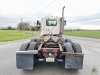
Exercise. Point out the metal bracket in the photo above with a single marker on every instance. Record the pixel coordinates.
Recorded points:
(72, 53)
(27, 52)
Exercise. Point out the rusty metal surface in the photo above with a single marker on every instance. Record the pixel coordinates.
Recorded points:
(60, 47)
(50, 48)
(72, 53)
(27, 52)
(55, 38)
(46, 38)
(40, 46)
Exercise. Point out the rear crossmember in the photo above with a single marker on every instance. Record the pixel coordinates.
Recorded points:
(36, 52)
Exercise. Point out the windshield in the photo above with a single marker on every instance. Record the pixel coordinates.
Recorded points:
(51, 22)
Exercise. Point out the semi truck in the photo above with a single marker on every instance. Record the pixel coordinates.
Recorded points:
(50, 47)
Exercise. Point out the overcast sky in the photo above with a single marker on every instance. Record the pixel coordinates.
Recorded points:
(78, 13)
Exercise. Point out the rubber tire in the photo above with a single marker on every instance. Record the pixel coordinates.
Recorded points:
(68, 47)
(77, 48)
(33, 40)
(32, 46)
(71, 47)
(37, 39)
(24, 46)
(68, 40)
(63, 40)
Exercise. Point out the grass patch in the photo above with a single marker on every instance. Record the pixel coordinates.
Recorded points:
(11, 35)
(89, 34)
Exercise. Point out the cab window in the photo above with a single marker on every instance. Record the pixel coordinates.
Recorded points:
(51, 22)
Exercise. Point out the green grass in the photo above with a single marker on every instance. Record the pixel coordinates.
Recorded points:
(11, 35)
(89, 34)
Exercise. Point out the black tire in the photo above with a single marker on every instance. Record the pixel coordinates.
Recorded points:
(68, 47)
(63, 40)
(77, 48)
(68, 40)
(37, 39)
(24, 46)
(69, 59)
(32, 46)
(33, 40)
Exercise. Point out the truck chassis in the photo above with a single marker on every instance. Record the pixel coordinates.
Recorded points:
(50, 48)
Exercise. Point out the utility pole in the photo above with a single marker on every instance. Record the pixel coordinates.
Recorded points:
(21, 19)
(22, 23)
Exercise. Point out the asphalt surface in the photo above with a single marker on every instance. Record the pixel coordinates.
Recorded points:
(91, 49)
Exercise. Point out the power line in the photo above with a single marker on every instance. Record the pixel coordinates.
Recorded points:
(29, 6)
(35, 3)
(41, 4)
(46, 6)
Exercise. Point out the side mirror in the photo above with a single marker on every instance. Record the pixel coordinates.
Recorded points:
(65, 23)
(38, 23)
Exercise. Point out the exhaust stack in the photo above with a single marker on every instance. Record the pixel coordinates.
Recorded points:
(62, 22)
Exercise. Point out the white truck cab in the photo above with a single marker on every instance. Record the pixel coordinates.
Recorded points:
(51, 25)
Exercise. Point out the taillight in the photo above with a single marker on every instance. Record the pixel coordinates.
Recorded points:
(55, 50)
(44, 54)
(44, 50)
(55, 54)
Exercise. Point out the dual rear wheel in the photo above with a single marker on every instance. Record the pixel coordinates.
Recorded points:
(68, 47)
(73, 62)
(30, 46)
(72, 47)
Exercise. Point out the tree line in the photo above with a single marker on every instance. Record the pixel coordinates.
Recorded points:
(25, 26)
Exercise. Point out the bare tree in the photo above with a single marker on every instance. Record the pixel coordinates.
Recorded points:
(23, 26)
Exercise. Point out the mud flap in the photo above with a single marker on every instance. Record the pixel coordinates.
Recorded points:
(73, 62)
(25, 61)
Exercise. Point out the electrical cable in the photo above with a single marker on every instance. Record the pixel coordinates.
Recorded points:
(45, 6)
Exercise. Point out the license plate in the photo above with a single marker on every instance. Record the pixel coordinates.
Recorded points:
(49, 59)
